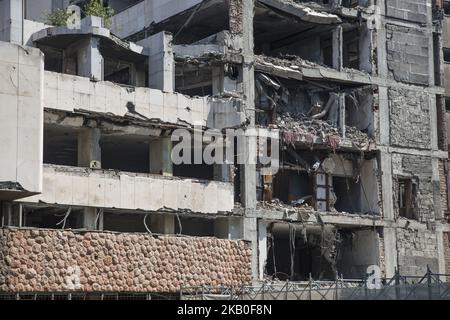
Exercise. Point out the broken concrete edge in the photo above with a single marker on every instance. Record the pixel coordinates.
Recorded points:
(92, 27)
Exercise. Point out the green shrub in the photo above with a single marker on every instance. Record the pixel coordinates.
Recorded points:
(96, 8)
(58, 17)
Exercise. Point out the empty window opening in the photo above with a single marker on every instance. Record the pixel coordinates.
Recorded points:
(293, 187)
(193, 226)
(348, 195)
(125, 153)
(60, 146)
(201, 171)
(124, 222)
(192, 80)
(53, 58)
(52, 217)
(447, 7)
(118, 71)
(295, 253)
(437, 58)
(446, 54)
(359, 109)
(351, 49)
(406, 198)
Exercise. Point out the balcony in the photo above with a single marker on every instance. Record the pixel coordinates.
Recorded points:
(75, 186)
(39, 261)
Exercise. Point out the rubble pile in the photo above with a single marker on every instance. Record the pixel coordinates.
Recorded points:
(276, 204)
(58, 261)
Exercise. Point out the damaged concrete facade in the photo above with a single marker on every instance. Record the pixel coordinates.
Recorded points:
(354, 90)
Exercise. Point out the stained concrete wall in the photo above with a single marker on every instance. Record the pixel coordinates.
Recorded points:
(111, 189)
(407, 54)
(409, 109)
(59, 261)
(67, 92)
(21, 116)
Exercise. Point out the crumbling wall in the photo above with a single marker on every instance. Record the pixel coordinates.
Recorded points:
(419, 169)
(412, 10)
(236, 16)
(48, 260)
(443, 191)
(382, 252)
(407, 54)
(446, 239)
(409, 109)
(416, 249)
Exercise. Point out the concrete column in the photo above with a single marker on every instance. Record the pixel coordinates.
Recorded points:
(342, 113)
(90, 217)
(162, 224)
(228, 228)
(250, 233)
(12, 21)
(337, 48)
(390, 251)
(262, 247)
(160, 156)
(161, 73)
(385, 164)
(89, 151)
(90, 60)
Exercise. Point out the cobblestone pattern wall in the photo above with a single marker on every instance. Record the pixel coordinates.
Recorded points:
(54, 260)
(409, 119)
(416, 250)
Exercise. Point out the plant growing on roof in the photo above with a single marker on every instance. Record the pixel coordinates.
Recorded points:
(58, 17)
(96, 8)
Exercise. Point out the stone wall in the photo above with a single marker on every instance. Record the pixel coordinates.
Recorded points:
(409, 110)
(53, 260)
(407, 54)
(443, 188)
(416, 250)
(412, 10)
(446, 236)
(419, 169)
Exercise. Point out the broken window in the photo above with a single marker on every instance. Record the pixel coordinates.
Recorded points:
(60, 146)
(196, 227)
(53, 58)
(351, 49)
(124, 222)
(125, 153)
(52, 217)
(406, 198)
(297, 253)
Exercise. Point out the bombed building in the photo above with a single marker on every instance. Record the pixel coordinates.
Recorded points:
(354, 91)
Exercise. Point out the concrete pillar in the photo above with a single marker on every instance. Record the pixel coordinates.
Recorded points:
(162, 224)
(228, 228)
(250, 233)
(390, 251)
(90, 221)
(262, 248)
(337, 48)
(89, 151)
(90, 60)
(341, 102)
(12, 27)
(160, 156)
(161, 73)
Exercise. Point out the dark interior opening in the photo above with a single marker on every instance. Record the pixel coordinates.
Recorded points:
(50, 218)
(193, 226)
(348, 195)
(124, 222)
(60, 146)
(130, 153)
